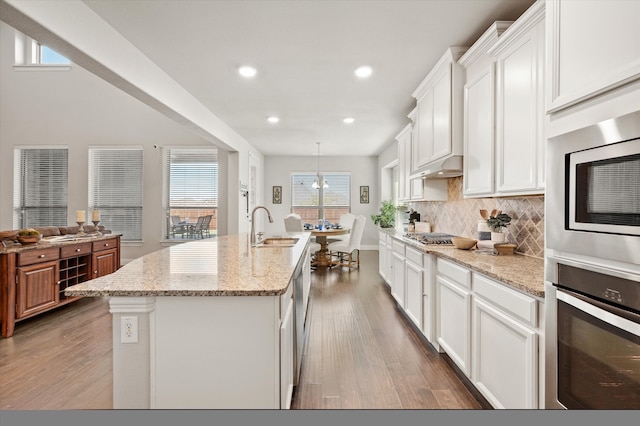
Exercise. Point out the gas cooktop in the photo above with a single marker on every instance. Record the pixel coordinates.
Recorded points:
(430, 237)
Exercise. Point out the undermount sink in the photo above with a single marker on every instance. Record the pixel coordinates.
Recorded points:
(278, 242)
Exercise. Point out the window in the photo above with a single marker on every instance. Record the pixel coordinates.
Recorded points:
(328, 203)
(190, 191)
(115, 188)
(40, 187)
(30, 54)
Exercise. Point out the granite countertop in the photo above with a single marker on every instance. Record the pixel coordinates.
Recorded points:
(525, 273)
(221, 266)
(55, 241)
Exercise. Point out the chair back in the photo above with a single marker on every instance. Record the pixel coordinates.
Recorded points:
(355, 236)
(207, 221)
(293, 223)
(200, 222)
(346, 220)
(175, 220)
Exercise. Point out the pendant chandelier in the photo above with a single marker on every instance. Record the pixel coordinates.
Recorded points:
(316, 182)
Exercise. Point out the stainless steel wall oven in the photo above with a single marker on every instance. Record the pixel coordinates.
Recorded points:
(592, 268)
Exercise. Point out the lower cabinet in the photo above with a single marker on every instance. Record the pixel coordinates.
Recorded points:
(413, 285)
(397, 283)
(37, 288)
(454, 313)
(287, 356)
(104, 262)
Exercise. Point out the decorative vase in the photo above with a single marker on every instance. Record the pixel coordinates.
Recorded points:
(484, 232)
(497, 237)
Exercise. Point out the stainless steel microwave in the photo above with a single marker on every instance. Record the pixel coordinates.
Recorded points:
(593, 193)
(603, 189)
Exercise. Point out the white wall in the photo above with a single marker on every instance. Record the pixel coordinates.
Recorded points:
(77, 109)
(364, 172)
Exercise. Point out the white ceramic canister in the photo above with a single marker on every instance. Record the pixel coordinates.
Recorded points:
(484, 232)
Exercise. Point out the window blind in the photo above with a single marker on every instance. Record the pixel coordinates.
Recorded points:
(40, 187)
(328, 203)
(191, 183)
(115, 188)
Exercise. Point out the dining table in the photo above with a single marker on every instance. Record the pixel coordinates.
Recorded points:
(322, 256)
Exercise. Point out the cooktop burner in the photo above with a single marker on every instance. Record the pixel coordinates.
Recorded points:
(430, 237)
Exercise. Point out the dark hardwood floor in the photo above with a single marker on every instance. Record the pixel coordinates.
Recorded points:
(360, 353)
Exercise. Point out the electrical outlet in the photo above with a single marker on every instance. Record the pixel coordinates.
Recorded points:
(128, 329)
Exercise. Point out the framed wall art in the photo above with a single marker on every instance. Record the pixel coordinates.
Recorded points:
(364, 195)
(277, 195)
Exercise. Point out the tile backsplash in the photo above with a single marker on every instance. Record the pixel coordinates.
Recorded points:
(460, 216)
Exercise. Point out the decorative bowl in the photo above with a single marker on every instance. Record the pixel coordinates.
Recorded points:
(463, 243)
(29, 239)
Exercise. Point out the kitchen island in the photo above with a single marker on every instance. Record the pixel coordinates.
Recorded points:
(207, 324)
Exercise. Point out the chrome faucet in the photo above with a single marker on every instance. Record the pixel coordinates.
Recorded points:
(253, 221)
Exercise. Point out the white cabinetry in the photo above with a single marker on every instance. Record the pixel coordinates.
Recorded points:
(382, 256)
(505, 345)
(397, 285)
(520, 137)
(479, 114)
(438, 126)
(454, 313)
(429, 301)
(413, 285)
(404, 162)
(287, 355)
(592, 46)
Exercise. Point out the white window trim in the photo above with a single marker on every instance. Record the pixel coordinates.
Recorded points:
(26, 56)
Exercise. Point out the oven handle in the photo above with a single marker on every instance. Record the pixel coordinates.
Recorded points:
(619, 318)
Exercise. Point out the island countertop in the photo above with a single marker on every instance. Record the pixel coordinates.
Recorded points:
(221, 266)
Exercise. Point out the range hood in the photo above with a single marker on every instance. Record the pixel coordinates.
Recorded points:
(440, 169)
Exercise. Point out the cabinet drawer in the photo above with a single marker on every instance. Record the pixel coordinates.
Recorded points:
(75, 250)
(414, 256)
(37, 256)
(104, 245)
(398, 247)
(460, 275)
(510, 301)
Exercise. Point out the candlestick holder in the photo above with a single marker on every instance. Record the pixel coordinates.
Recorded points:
(97, 231)
(80, 229)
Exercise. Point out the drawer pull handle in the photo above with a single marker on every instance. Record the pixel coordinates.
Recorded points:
(41, 256)
(78, 250)
(95, 272)
(106, 245)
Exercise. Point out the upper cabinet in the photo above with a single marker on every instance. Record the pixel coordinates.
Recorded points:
(404, 161)
(479, 114)
(592, 47)
(520, 117)
(438, 121)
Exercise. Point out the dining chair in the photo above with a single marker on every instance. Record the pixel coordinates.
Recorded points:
(343, 251)
(197, 228)
(345, 221)
(176, 228)
(293, 223)
(205, 226)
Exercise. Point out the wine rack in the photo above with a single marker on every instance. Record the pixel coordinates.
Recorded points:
(73, 270)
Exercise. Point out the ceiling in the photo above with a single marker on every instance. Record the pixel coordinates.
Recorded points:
(305, 53)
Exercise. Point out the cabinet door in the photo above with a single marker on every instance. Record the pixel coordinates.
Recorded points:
(382, 259)
(594, 48)
(441, 145)
(397, 289)
(519, 132)
(505, 359)
(413, 279)
(454, 323)
(424, 131)
(479, 133)
(286, 357)
(37, 288)
(104, 262)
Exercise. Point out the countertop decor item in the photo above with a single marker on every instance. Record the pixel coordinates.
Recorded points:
(463, 243)
(387, 216)
(29, 236)
(504, 248)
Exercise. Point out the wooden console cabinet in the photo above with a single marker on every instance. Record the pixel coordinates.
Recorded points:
(33, 279)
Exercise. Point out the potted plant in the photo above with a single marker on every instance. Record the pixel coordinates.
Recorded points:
(496, 223)
(387, 216)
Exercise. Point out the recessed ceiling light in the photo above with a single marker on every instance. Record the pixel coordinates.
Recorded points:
(273, 119)
(363, 71)
(247, 71)
(348, 120)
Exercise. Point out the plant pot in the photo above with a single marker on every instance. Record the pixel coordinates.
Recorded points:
(497, 237)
